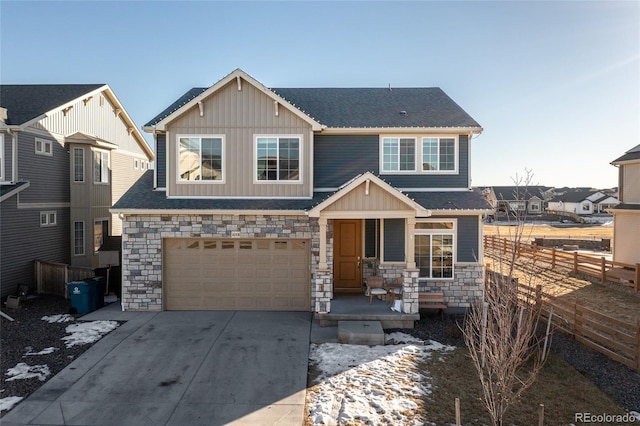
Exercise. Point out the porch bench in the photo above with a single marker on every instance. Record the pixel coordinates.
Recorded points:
(431, 300)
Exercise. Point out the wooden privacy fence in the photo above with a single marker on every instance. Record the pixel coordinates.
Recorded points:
(616, 339)
(625, 274)
(51, 278)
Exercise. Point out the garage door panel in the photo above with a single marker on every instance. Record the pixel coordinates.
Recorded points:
(259, 274)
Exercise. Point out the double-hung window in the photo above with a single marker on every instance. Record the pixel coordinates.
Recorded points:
(78, 164)
(438, 154)
(200, 158)
(278, 158)
(398, 154)
(434, 249)
(101, 166)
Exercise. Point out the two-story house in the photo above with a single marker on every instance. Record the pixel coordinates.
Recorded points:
(67, 153)
(626, 215)
(522, 200)
(286, 198)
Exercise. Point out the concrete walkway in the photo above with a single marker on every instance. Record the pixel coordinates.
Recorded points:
(181, 368)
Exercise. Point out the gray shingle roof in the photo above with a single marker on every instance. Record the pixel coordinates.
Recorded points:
(141, 196)
(364, 107)
(25, 102)
(632, 154)
(523, 192)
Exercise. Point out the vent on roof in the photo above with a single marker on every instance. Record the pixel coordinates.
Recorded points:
(403, 112)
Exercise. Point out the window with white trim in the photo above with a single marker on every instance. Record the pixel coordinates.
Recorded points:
(2, 171)
(200, 158)
(434, 249)
(100, 230)
(48, 218)
(278, 158)
(101, 167)
(44, 147)
(438, 154)
(398, 154)
(135, 164)
(78, 238)
(78, 164)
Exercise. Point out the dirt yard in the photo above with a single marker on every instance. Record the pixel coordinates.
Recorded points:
(552, 231)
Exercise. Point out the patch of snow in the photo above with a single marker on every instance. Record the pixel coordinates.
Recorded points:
(45, 351)
(57, 318)
(87, 332)
(9, 402)
(370, 384)
(24, 371)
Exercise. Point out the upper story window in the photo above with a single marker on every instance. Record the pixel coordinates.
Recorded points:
(434, 154)
(101, 166)
(44, 147)
(200, 158)
(78, 164)
(278, 158)
(438, 154)
(398, 154)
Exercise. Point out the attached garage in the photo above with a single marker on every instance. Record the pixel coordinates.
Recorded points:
(236, 274)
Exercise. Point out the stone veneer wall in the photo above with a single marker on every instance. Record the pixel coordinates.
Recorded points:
(466, 287)
(142, 248)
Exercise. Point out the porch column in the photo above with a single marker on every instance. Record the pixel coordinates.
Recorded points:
(411, 249)
(322, 264)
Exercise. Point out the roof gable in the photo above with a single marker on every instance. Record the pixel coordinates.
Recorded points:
(196, 95)
(25, 102)
(372, 190)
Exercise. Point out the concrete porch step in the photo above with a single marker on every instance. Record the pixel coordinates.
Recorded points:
(360, 332)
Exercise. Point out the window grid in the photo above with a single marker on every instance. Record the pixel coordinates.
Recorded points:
(78, 238)
(78, 164)
(398, 154)
(277, 159)
(438, 154)
(44, 147)
(48, 218)
(200, 158)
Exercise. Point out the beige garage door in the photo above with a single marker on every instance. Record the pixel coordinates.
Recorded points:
(223, 274)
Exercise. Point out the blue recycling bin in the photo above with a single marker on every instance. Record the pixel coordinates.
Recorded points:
(82, 296)
(100, 287)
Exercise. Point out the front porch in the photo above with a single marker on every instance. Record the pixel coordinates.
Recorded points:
(356, 307)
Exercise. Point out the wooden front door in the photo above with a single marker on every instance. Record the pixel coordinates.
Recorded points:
(347, 256)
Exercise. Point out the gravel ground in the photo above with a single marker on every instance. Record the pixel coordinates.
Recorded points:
(616, 380)
(29, 333)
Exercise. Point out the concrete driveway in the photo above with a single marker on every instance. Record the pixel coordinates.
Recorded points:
(181, 368)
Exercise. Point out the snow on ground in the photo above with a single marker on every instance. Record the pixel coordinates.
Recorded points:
(57, 318)
(45, 351)
(87, 332)
(370, 384)
(7, 403)
(24, 371)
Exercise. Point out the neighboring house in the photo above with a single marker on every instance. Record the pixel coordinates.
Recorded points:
(517, 199)
(282, 199)
(602, 202)
(572, 202)
(67, 153)
(626, 215)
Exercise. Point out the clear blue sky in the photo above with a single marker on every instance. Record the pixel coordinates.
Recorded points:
(555, 85)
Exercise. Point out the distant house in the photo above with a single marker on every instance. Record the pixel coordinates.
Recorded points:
(626, 215)
(67, 153)
(521, 199)
(581, 201)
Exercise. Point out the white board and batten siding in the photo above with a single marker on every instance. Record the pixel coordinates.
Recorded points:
(240, 116)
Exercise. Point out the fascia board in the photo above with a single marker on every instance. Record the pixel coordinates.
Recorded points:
(162, 124)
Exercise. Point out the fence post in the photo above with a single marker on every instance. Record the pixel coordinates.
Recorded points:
(575, 262)
(539, 298)
(37, 272)
(603, 270)
(553, 257)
